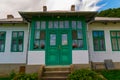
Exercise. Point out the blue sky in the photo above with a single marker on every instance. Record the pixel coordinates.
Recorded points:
(109, 4)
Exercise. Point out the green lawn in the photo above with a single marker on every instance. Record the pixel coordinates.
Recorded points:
(110, 74)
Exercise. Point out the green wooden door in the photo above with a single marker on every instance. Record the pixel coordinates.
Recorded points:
(59, 50)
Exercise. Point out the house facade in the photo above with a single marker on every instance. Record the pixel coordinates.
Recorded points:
(58, 38)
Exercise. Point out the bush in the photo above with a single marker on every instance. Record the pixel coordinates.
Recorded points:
(85, 74)
(110, 74)
(23, 76)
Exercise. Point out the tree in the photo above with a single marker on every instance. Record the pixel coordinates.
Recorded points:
(115, 12)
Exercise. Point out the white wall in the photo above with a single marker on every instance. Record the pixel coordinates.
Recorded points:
(100, 56)
(80, 57)
(36, 58)
(8, 57)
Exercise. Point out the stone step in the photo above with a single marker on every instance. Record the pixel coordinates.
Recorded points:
(58, 68)
(54, 78)
(56, 73)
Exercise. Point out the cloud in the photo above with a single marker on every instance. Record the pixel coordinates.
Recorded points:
(13, 6)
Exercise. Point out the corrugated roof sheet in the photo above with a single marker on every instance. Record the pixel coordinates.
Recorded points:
(107, 19)
(13, 20)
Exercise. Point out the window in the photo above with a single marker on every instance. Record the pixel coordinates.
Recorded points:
(39, 35)
(17, 41)
(115, 40)
(2, 41)
(77, 35)
(58, 24)
(98, 41)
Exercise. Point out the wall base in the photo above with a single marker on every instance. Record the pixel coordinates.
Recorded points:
(6, 69)
(80, 66)
(100, 65)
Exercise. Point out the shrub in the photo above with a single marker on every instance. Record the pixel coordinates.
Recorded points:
(110, 74)
(85, 74)
(23, 76)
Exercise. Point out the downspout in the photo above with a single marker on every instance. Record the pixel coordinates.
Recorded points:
(90, 57)
(28, 42)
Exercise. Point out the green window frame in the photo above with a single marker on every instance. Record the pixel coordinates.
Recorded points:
(39, 35)
(115, 40)
(58, 24)
(2, 41)
(77, 35)
(17, 43)
(99, 41)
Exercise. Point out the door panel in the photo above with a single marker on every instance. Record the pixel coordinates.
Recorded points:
(52, 54)
(58, 48)
(65, 51)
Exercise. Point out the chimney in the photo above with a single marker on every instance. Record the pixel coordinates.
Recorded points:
(73, 8)
(44, 8)
(10, 16)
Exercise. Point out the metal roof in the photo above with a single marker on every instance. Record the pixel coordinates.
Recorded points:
(89, 15)
(13, 20)
(106, 19)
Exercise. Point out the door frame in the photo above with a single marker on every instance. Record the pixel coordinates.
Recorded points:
(70, 43)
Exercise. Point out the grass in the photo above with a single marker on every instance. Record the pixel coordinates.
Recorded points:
(4, 78)
(110, 74)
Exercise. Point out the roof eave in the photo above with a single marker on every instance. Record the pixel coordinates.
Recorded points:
(29, 15)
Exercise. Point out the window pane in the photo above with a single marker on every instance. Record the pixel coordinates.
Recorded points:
(42, 35)
(2, 41)
(14, 41)
(52, 39)
(96, 44)
(1, 45)
(102, 44)
(50, 24)
(20, 34)
(43, 24)
(36, 44)
(55, 24)
(2, 34)
(14, 45)
(79, 24)
(20, 44)
(101, 34)
(37, 34)
(61, 24)
(74, 34)
(14, 34)
(42, 44)
(64, 39)
(114, 44)
(118, 34)
(80, 35)
(17, 41)
(80, 43)
(74, 24)
(37, 25)
(119, 43)
(74, 44)
(95, 34)
(66, 24)
(113, 34)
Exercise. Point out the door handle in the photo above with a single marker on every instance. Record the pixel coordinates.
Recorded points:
(59, 47)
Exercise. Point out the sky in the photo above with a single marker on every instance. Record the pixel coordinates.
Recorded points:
(13, 6)
(109, 4)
